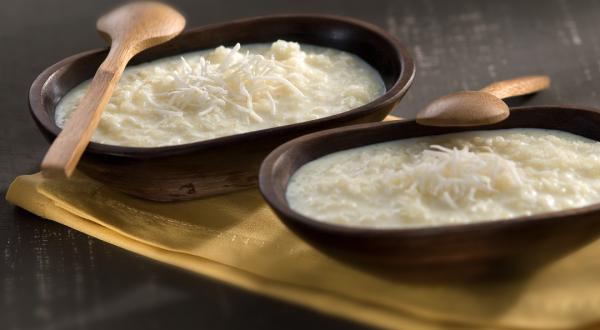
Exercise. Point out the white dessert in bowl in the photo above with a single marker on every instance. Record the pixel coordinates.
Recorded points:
(209, 94)
(228, 163)
(464, 248)
(457, 178)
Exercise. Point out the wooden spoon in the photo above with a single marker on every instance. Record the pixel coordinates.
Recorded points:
(484, 107)
(130, 29)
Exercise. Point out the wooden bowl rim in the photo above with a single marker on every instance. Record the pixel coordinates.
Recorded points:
(287, 215)
(400, 86)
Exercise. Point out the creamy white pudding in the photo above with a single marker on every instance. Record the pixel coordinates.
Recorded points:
(455, 178)
(225, 91)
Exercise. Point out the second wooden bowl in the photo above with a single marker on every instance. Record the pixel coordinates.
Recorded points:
(228, 163)
(470, 249)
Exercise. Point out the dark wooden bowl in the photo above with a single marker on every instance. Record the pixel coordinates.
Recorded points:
(228, 163)
(469, 250)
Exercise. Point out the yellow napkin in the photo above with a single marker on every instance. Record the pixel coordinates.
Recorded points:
(237, 239)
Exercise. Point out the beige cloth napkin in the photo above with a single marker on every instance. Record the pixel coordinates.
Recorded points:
(237, 239)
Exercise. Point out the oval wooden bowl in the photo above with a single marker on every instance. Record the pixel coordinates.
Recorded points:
(228, 163)
(452, 250)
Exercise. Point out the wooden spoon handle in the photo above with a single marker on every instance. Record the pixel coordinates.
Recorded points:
(66, 150)
(518, 86)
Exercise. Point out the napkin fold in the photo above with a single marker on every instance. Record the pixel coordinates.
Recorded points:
(236, 238)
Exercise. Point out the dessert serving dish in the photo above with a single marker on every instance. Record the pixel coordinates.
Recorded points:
(466, 247)
(228, 163)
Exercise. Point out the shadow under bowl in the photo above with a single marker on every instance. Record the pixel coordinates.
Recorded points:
(443, 252)
(228, 163)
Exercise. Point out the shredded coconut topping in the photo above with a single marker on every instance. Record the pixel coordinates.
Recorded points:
(204, 95)
(455, 178)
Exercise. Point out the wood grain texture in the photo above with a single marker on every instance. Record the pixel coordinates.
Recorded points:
(131, 29)
(52, 277)
(463, 109)
(517, 86)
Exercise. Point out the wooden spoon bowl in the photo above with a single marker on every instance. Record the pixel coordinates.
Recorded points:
(483, 107)
(130, 29)
(473, 249)
(228, 163)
